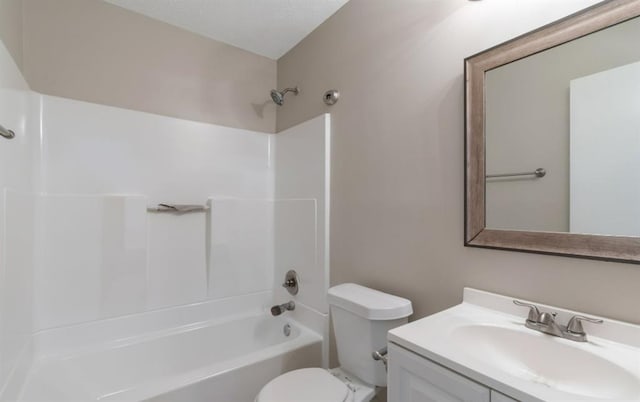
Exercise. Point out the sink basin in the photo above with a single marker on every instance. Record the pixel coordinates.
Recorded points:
(543, 359)
(485, 339)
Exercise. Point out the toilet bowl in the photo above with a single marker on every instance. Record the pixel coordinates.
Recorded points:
(361, 319)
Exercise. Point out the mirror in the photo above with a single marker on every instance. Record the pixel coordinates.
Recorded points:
(553, 138)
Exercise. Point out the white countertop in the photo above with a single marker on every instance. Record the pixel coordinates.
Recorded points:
(447, 338)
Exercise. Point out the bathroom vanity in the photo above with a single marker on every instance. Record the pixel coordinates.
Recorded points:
(421, 379)
(480, 350)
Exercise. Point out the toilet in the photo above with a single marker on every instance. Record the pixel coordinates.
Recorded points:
(361, 319)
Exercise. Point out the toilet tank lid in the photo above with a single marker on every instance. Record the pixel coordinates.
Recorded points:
(369, 303)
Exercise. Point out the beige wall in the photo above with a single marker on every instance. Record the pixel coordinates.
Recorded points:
(397, 157)
(94, 51)
(528, 126)
(398, 128)
(11, 28)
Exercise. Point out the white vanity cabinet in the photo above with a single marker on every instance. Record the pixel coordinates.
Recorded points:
(413, 378)
(481, 350)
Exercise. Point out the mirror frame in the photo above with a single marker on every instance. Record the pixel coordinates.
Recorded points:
(585, 22)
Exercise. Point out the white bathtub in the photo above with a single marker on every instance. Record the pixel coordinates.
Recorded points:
(221, 361)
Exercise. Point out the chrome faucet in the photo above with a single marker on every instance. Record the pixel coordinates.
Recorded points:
(546, 323)
(279, 309)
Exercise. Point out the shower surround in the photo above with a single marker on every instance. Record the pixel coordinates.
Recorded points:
(80, 248)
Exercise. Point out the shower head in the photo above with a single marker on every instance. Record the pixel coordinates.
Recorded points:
(278, 96)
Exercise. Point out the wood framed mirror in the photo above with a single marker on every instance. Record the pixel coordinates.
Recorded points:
(552, 160)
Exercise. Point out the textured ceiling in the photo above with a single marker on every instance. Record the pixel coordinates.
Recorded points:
(266, 27)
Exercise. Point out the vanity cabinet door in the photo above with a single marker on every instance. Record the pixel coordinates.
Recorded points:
(498, 397)
(412, 378)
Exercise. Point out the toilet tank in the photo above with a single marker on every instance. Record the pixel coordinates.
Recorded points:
(361, 319)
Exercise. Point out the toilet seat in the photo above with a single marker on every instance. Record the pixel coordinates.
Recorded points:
(304, 385)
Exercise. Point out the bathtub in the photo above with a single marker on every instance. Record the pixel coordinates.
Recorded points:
(217, 361)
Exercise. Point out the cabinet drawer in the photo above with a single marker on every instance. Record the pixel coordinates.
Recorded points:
(412, 378)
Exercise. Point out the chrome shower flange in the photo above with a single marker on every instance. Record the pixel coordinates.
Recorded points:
(331, 97)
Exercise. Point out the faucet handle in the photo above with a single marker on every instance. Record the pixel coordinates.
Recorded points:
(575, 324)
(534, 313)
(291, 282)
(547, 318)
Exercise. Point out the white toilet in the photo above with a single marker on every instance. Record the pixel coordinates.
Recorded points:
(361, 319)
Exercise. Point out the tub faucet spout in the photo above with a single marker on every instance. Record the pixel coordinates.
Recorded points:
(279, 309)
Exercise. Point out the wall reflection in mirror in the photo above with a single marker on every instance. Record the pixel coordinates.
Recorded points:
(573, 110)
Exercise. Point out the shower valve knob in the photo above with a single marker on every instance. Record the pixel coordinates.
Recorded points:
(291, 282)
